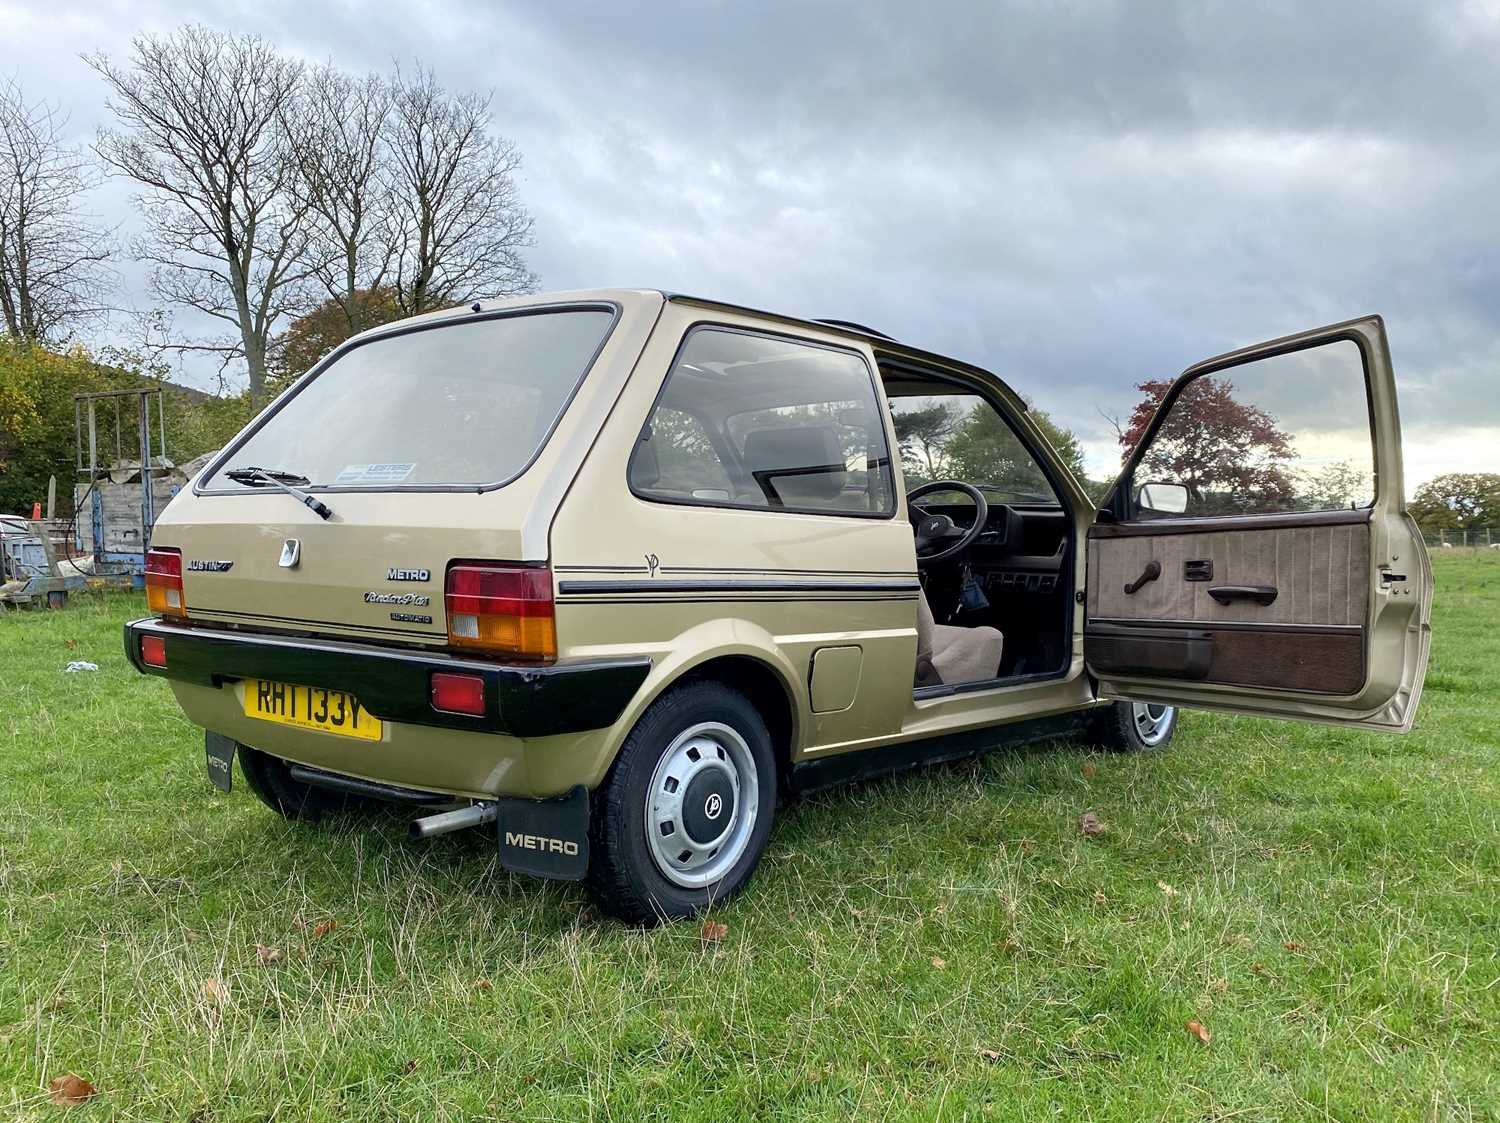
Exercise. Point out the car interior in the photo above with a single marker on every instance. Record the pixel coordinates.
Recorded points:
(994, 540)
(754, 422)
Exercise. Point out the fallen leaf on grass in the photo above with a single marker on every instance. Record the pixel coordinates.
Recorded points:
(1091, 825)
(1292, 945)
(70, 1090)
(215, 990)
(939, 962)
(483, 984)
(1195, 1027)
(1166, 889)
(989, 1054)
(409, 1067)
(713, 932)
(1257, 968)
(323, 927)
(72, 643)
(1089, 771)
(267, 954)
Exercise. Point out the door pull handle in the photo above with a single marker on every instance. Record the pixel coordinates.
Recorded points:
(1260, 594)
(1150, 573)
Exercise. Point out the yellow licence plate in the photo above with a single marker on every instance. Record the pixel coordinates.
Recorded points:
(310, 707)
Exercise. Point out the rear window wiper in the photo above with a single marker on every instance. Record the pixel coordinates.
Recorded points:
(252, 476)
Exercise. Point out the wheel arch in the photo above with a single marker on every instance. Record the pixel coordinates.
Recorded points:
(767, 691)
(740, 655)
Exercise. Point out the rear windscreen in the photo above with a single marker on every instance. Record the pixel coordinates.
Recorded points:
(465, 402)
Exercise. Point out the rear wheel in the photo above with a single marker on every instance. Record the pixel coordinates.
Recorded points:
(1133, 726)
(683, 816)
(270, 779)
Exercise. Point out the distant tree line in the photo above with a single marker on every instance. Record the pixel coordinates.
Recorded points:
(949, 440)
(1458, 501)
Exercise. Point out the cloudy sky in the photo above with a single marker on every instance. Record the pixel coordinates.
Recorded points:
(1077, 196)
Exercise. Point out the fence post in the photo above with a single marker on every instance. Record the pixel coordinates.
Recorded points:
(1442, 536)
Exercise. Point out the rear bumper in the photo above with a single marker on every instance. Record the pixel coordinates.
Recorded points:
(520, 700)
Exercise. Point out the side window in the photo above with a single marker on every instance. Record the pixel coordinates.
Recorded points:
(960, 436)
(1275, 435)
(748, 420)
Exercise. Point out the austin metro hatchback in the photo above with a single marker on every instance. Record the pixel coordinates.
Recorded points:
(610, 573)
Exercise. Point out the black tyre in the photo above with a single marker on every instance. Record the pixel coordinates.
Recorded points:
(1133, 727)
(271, 781)
(683, 816)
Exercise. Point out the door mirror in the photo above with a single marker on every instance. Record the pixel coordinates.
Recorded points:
(1162, 498)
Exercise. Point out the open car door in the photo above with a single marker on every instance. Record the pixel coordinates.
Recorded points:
(1256, 554)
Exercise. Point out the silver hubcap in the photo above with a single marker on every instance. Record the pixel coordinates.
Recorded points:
(1152, 722)
(702, 805)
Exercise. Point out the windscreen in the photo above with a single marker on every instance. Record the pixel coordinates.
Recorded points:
(459, 403)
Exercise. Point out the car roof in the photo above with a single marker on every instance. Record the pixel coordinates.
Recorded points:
(887, 349)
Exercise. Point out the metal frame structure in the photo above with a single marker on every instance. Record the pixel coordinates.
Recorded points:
(85, 415)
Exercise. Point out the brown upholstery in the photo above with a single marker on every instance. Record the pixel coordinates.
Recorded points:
(955, 654)
(1321, 574)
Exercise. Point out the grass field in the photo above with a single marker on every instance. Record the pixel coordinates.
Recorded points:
(1326, 904)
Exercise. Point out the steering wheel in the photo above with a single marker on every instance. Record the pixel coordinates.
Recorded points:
(939, 538)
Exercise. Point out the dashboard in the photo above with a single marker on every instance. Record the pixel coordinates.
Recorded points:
(1020, 550)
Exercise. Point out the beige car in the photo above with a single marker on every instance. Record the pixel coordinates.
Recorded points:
(612, 572)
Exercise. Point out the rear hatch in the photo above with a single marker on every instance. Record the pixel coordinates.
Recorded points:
(374, 571)
(418, 442)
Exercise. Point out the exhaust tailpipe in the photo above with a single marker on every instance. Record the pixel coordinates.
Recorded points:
(474, 815)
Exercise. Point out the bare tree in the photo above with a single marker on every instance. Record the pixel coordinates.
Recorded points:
(462, 223)
(204, 118)
(51, 256)
(338, 142)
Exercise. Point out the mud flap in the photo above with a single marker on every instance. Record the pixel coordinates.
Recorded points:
(546, 837)
(220, 752)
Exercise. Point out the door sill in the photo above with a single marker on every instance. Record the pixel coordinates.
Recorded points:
(946, 690)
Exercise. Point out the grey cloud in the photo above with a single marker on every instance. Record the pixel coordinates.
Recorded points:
(1077, 196)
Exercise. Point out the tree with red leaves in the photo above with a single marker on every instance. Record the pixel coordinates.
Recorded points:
(1232, 457)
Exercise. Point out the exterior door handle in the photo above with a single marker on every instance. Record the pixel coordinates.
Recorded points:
(1150, 573)
(1260, 594)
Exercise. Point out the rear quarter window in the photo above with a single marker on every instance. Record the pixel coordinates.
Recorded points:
(759, 421)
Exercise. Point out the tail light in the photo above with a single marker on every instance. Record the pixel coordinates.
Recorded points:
(164, 582)
(505, 610)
